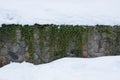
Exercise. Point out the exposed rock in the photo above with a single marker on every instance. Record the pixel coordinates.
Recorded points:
(75, 52)
(1, 44)
(3, 51)
(18, 35)
(92, 54)
(85, 54)
(101, 50)
(15, 47)
(13, 55)
(22, 44)
(20, 58)
(43, 45)
(3, 61)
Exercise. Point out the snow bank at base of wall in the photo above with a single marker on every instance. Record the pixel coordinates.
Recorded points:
(103, 68)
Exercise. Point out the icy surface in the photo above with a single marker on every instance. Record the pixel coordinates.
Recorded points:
(103, 68)
(82, 12)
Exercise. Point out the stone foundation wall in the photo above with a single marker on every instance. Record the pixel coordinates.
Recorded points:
(45, 43)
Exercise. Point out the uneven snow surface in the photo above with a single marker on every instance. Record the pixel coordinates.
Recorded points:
(82, 12)
(103, 68)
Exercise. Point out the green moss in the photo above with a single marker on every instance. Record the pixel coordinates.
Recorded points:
(8, 31)
(104, 28)
(53, 36)
(27, 35)
(117, 31)
(59, 39)
(79, 30)
(42, 36)
(63, 39)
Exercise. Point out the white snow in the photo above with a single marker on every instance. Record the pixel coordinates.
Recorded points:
(103, 68)
(82, 12)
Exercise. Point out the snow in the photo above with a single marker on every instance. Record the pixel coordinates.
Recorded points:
(102, 68)
(82, 12)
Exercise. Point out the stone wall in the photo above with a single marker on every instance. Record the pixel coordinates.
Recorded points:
(45, 43)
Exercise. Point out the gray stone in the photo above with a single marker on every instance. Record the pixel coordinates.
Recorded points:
(101, 50)
(23, 44)
(22, 48)
(13, 55)
(75, 52)
(3, 52)
(35, 56)
(92, 54)
(3, 61)
(18, 35)
(15, 47)
(1, 44)
(21, 51)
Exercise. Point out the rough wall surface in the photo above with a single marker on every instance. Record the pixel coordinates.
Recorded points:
(45, 43)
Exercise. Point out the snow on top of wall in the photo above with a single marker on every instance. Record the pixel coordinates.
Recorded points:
(82, 12)
(103, 68)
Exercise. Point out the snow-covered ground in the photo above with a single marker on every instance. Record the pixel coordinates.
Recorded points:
(103, 68)
(82, 12)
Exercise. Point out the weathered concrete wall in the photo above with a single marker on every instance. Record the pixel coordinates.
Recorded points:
(45, 43)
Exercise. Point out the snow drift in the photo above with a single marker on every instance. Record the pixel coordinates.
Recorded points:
(82, 12)
(103, 68)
